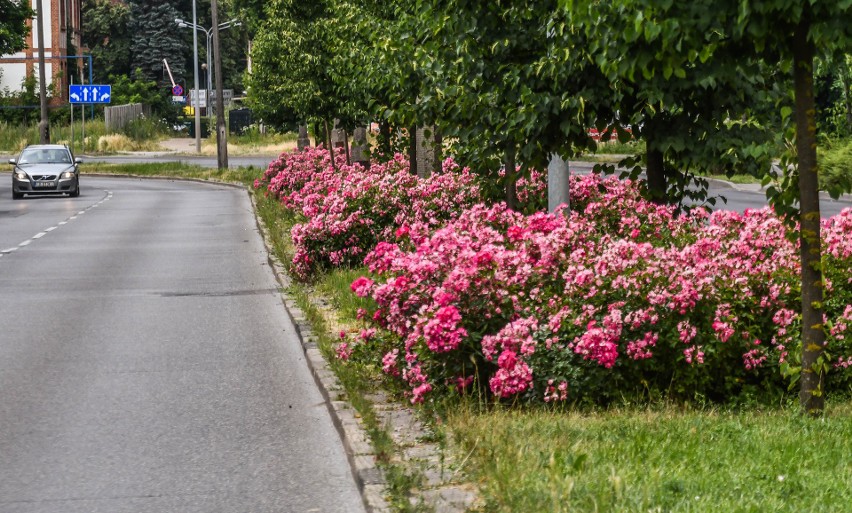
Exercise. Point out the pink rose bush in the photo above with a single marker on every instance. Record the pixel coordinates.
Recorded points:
(618, 297)
(347, 211)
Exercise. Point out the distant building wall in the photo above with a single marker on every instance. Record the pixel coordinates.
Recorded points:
(62, 20)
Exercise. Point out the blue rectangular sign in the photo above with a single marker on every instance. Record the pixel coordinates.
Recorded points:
(92, 93)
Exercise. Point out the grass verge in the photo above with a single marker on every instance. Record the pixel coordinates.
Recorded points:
(665, 460)
(241, 175)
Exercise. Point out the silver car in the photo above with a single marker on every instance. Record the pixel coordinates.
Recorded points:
(45, 169)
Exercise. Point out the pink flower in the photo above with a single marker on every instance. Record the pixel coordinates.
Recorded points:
(362, 286)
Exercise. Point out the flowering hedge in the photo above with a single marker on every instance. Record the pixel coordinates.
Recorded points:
(619, 297)
(348, 210)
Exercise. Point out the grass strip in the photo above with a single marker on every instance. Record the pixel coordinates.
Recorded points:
(240, 175)
(666, 460)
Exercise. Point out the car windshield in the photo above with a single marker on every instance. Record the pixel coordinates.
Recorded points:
(45, 156)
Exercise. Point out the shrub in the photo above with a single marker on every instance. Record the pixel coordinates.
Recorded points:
(348, 211)
(621, 297)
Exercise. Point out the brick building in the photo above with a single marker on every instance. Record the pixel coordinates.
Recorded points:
(62, 21)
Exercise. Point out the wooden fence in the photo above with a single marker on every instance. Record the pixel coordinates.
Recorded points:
(117, 117)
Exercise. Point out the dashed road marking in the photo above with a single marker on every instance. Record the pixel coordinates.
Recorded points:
(61, 223)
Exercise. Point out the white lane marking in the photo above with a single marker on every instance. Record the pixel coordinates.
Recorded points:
(48, 230)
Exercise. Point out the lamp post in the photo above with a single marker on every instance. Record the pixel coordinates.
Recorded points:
(209, 34)
(195, 74)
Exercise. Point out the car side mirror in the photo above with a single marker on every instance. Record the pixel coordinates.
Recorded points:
(78, 160)
(13, 161)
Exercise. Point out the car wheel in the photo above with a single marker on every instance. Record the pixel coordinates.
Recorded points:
(17, 195)
(75, 192)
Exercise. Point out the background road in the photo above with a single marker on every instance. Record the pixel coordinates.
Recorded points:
(147, 363)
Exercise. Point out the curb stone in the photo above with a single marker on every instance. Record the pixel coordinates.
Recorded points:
(441, 490)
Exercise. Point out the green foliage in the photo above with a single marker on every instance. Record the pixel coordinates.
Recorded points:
(290, 80)
(13, 25)
(155, 37)
(107, 35)
(138, 89)
(836, 168)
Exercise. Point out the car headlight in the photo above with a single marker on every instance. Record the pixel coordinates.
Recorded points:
(68, 174)
(20, 175)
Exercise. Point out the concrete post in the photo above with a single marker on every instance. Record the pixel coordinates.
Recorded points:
(557, 183)
(303, 141)
(425, 151)
(359, 152)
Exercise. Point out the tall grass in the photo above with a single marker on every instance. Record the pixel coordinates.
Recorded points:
(90, 136)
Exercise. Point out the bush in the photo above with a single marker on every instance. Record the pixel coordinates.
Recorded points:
(620, 298)
(347, 211)
(836, 167)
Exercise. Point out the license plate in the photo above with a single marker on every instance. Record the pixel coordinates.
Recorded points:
(41, 185)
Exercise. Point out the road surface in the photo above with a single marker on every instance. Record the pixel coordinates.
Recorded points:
(147, 363)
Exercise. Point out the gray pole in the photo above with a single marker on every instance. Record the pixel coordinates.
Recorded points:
(44, 123)
(209, 75)
(221, 131)
(195, 72)
(557, 183)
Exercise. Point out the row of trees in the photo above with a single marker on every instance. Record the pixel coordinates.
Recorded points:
(708, 85)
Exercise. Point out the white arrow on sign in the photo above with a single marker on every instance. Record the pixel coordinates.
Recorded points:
(75, 97)
(85, 94)
(104, 97)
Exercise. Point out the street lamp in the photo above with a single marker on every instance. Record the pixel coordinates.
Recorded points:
(209, 34)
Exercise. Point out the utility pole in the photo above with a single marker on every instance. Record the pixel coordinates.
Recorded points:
(195, 75)
(221, 130)
(44, 123)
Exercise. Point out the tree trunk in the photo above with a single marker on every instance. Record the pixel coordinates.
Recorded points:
(412, 149)
(511, 177)
(330, 145)
(847, 95)
(438, 150)
(221, 129)
(346, 147)
(655, 170)
(811, 393)
(318, 129)
(385, 146)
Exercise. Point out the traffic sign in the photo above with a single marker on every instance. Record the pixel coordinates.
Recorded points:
(177, 90)
(91, 93)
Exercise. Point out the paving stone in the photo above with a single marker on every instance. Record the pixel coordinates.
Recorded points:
(372, 476)
(374, 497)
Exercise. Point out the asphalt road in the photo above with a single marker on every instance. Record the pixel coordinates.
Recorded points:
(147, 363)
(739, 197)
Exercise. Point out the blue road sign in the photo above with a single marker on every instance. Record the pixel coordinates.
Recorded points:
(177, 90)
(91, 93)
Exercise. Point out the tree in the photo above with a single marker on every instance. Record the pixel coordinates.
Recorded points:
(677, 77)
(106, 33)
(13, 25)
(156, 37)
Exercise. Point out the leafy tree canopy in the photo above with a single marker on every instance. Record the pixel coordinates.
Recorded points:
(13, 25)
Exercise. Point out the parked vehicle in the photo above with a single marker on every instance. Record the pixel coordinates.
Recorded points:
(45, 169)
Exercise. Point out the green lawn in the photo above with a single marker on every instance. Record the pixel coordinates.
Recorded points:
(666, 461)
